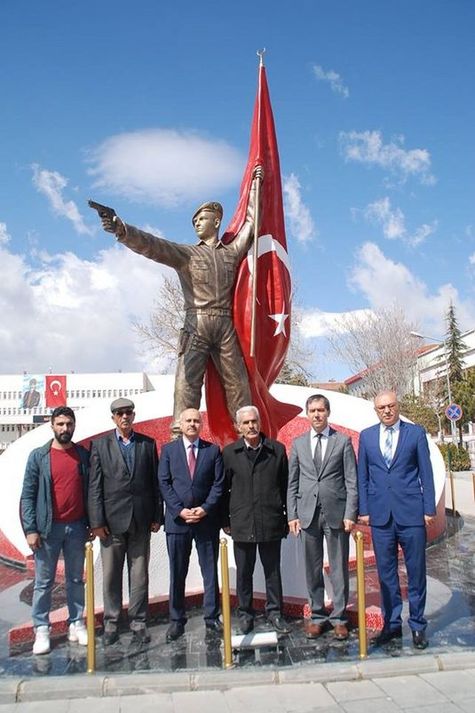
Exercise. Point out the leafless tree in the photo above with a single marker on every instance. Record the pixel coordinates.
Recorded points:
(159, 336)
(380, 347)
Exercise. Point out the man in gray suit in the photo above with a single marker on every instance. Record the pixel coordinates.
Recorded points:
(322, 502)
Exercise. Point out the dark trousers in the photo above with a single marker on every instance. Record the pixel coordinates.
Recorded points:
(245, 558)
(413, 543)
(135, 546)
(179, 551)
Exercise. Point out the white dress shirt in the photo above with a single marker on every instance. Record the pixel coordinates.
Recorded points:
(383, 432)
(313, 441)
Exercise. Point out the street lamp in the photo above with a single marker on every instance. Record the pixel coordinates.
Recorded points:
(447, 375)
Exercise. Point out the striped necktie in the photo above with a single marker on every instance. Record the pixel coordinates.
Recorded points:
(388, 446)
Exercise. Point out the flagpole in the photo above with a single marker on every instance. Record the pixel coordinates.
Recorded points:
(252, 351)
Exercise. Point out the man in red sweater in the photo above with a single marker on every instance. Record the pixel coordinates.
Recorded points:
(53, 516)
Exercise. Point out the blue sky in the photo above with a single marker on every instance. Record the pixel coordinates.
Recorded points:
(146, 106)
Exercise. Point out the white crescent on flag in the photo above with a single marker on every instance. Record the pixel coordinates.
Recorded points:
(267, 244)
(55, 387)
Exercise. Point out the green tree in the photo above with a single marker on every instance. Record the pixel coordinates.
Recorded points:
(292, 374)
(463, 393)
(455, 346)
(418, 410)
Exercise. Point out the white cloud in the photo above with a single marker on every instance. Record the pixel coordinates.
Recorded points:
(316, 323)
(164, 166)
(4, 234)
(393, 222)
(384, 282)
(367, 147)
(333, 78)
(75, 314)
(52, 184)
(300, 221)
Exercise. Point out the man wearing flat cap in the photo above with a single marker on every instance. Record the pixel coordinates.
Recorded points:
(207, 272)
(124, 507)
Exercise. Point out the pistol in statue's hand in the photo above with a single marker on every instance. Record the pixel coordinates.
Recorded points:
(109, 219)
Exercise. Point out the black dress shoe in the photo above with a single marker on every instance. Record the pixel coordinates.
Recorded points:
(214, 627)
(386, 636)
(246, 625)
(279, 624)
(110, 637)
(419, 640)
(175, 630)
(140, 636)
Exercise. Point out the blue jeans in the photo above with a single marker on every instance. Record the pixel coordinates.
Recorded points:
(70, 537)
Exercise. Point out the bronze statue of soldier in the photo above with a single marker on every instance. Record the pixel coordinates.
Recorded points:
(207, 272)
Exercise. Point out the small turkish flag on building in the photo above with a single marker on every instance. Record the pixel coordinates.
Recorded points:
(55, 391)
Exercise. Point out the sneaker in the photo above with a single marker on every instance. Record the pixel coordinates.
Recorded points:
(77, 633)
(41, 645)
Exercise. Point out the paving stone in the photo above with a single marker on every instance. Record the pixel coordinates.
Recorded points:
(8, 689)
(453, 684)
(372, 668)
(37, 707)
(200, 701)
(98, 705)
(456, 660)
(304, 698)
(446, 707)
(259, 699)
(320, 673)
(58, 687)
(371, 705)
(467, 705)
(408, 690)
(146, 703)
(133, 684)
(353, 690)
(232, 678)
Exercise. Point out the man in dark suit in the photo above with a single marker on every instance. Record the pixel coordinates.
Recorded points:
(396, 496)
(256, 474)
(191, 481)
(322, 503)
(124, 506)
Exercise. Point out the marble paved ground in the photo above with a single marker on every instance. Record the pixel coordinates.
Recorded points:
(451, 609)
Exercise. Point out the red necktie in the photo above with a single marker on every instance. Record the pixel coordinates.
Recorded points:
(191, 460)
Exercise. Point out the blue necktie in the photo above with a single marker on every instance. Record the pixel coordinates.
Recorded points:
(388, 446)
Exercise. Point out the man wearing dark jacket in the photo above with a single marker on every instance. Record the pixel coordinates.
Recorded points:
(53, 516)
(124, 506)
(256, 473)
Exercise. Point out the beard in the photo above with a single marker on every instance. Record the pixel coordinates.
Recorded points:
(64, 437)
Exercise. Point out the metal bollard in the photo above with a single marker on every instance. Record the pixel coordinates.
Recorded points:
(90, 615)
(360, 585)
(225, 604)
(452, 491)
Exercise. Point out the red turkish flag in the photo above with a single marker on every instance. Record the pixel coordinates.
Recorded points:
(55, 391)
(273, 286)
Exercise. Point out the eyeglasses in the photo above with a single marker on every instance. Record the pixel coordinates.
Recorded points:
(390, 407)
(124, 412)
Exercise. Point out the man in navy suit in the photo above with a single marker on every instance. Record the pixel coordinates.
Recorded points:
(191, 480)
(396, 497)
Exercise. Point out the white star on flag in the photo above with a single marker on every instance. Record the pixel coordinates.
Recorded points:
(279, 318)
